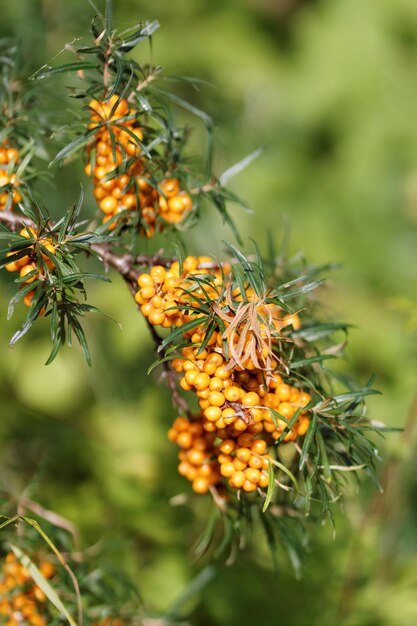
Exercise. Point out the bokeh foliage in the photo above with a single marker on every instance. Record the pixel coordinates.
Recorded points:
(329, 90)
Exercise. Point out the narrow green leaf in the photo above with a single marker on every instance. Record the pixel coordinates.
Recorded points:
(108, 16)
(308, 440)
(354, 395)
(73, 146)
(310, 360)
(179, 331)
(313, 332)
(271, 488)
(142, 33)
(43, 584)
(208, 533)
(250, 272)
(191, 591)
(286, 471)
(47, 71)
(301, 290)
(186, 105)
(238, 167)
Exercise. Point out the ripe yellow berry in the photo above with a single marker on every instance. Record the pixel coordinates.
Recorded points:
(26, 270)
(216, 398)
(200, 485)
(212, 413)
(201, 381)
(237, 480)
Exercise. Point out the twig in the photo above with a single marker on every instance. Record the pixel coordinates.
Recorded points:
(15, 221)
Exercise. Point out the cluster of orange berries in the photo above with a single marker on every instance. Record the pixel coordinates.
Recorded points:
(27, 264)
(21, 600)
(241, 417)
(8, 156)
(163, 292)
(245, 408)
(131, 189)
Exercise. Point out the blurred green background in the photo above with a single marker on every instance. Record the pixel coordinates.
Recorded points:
(329, 90)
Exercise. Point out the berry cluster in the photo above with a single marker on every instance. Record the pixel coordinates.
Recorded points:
(198, 462)
(241, 412)
(163, 294)
(27, 265)
(245, 403)
(8, 159)
(117, 145)
(21, 600)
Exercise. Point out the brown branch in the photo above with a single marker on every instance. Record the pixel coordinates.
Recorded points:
(16, 221)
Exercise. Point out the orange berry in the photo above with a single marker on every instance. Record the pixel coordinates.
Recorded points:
(249, 486)
(175, 204)
(250, 399)
(169, 187)
(222, 372)
(196, 457)
(212, 413)
(243, 454)
(156, 317)
(158, 274)
(263, 480)
(258, 446)
(233, 393)
(256, 462)
(184, 385)
(286, 410)
(147, 293)
(283, 392)
(227, 469)
(239, 465)
(245, 440)
(28, 298)
(201, 381)
(184, 440)
(216, 384)
(237, 480)
(227, 446)
(145, 280)
(177, 364)
(190, 376)
(216, 398)
(224, 458)
(252, 474)
(200, 485)
(215, 357)
(108, 205)
(28, 269)
(209, 368)
(12, 267)
(303, 426)
(28, 232)
(187, 203)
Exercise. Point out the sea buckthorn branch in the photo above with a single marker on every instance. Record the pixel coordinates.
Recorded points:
(264, 424)
(134, 153)
(252, 408)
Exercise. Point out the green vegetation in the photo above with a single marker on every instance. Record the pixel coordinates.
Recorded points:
(327, 89)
